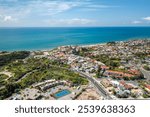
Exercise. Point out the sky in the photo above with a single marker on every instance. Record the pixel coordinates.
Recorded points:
(74, 13)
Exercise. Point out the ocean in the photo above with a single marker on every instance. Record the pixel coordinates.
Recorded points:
(13, 39)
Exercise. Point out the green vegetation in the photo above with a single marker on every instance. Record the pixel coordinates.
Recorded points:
(142, 84)
(3, 78)
(29, 71)
(9, 89)
(146, 67)
(83, 51)
(145, 95)
(141, 55)
(52, 72)
(138, 77)
(104, 58)
(98, 72)
(111, 43)
(111, 62)
(7, 58)
(121, 70)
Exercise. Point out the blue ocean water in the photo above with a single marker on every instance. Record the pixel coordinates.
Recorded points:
(46, 38)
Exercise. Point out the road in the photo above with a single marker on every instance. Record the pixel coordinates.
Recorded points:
(24, 76)
(146, 73)
(95, 83)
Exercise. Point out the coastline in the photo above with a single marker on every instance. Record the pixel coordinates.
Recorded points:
(36, 39)
(96, 44)
(74, 64)
(79, 45)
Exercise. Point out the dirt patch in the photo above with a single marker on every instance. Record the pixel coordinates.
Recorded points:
(89, 94)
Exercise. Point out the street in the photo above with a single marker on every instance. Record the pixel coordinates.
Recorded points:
(100, 88)
(146, 73)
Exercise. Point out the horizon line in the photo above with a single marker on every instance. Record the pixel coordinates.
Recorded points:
(67, 26)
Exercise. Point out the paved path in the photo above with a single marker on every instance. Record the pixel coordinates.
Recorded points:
(146, 73)
(24, 76)
(97, 85)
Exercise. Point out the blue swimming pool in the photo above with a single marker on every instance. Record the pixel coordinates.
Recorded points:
(61, 93)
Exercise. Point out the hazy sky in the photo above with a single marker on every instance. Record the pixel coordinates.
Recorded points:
(53, 13)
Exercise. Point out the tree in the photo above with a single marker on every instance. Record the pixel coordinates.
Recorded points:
(98, 72)
(146, 67)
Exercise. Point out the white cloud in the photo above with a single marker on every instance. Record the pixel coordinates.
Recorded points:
(37, 7)
(8, 0)
(147, 18)
(7, 18)
(142, 21)
(47, 7)
(98, 6)
(136, 22)
(64, 6)
(28, 12)
(71, 22)
(80, 21)
(89, 5)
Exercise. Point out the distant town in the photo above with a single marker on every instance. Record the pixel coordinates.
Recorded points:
(110, 71)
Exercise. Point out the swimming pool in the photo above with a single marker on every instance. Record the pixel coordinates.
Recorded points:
(61, 93)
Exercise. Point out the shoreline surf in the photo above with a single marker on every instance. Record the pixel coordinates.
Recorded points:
(48, 38)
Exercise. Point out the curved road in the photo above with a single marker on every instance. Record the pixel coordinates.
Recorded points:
(100, 88)
(146, 73)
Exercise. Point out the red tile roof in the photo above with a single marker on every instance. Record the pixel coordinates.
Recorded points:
(121, 74)
(127, 86)
(134, 72)
(104, 67)
(147, 86)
